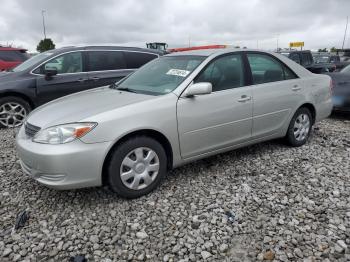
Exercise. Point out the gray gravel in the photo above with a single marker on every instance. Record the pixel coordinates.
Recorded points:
(267, 201)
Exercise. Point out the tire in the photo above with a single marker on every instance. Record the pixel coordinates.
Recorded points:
(136, 161)
(300, 127)
(13, 111)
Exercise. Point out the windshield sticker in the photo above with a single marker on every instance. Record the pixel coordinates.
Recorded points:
(178, 72)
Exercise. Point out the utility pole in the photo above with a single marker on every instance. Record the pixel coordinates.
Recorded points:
(278, 36)
(42, 13)
(346, 29)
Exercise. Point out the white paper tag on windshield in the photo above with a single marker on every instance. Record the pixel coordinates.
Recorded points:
(178, 72)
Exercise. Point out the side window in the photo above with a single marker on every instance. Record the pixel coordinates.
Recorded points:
(137, 59)
(295, 57)
(288, 74)
(306, 59)
(223, 73)
(106, 60)
(266, 69)
(12, 56)
(67, 63)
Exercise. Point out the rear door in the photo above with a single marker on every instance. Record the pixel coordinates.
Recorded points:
(106, 67)
(70, 77)
(276, 91)
(221, 119)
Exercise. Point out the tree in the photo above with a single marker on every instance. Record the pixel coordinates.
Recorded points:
(323, 50)
(45, 44)
(333, 49)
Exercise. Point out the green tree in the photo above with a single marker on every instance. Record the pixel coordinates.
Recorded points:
(45, 44)
(333, 49)
(323, 50)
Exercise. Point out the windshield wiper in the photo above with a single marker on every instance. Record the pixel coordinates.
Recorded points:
(126, 89)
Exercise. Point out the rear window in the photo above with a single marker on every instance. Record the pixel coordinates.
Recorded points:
(13, 56)
(106, 60)
(137, 59)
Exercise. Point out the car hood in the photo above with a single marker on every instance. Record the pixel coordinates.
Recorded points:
(9, 76)
(74, 108)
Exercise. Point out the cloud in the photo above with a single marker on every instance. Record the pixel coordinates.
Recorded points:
(177, 22)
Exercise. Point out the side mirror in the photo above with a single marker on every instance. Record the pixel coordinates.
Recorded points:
(203, 88)
(50, 72)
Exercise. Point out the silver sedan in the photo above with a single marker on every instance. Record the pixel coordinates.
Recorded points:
(174, 110)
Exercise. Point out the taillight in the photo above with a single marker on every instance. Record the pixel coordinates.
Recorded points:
(331, 86)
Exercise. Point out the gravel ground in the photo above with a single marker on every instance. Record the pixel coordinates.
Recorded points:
(267, 201)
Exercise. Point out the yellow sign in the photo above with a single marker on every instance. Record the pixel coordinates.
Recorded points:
(296, 44)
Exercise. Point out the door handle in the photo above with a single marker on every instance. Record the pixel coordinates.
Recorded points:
(244, 98)
(296, 88)
(95, 78)
(81, 80)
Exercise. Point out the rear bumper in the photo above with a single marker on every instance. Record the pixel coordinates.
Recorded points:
(66, 166)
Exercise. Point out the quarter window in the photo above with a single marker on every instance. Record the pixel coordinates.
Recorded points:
(106, 60)
(223, 73)
(266, 69)
(137, 59)
(64, 64)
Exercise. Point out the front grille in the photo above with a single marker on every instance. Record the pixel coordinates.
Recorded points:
(31, 130)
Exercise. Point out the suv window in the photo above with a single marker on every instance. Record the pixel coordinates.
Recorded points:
(12, 56)
(295, 57)
(306, 59)
(223, 73)
(106, 60)
(67, 63)
(137, 59)
(266, 69)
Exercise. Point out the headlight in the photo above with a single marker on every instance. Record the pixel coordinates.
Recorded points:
(63, 133)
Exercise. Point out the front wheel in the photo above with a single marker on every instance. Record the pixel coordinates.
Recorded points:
(13, 111)
(300, 127)
(136, 167)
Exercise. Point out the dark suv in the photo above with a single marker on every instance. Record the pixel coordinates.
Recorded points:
(60, 72)
(304, 58)
(11, 57)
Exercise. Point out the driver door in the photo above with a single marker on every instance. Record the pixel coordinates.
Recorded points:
(207, 123)
(70, 77)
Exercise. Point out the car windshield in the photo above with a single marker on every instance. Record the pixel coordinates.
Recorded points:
(32, 61)
(162, 75)
(346, 69)
(319, 59)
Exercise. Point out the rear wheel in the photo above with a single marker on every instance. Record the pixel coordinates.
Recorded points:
(136, 167)
(300, 127)
(13, 111)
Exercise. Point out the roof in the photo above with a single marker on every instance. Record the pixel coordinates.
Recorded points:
(6, 48)
(102, 47)
(216, 51)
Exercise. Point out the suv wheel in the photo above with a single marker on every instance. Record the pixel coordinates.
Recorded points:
(13, 111)
(300, 127)
(136, 167)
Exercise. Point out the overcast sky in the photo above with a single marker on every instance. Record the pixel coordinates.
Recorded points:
(251, 23)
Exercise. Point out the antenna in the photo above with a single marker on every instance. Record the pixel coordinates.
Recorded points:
(346, 29)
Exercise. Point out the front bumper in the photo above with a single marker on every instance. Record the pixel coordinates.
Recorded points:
(66, 166)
